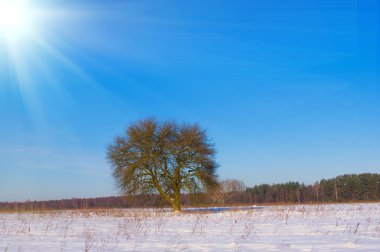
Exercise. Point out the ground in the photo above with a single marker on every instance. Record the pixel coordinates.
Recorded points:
(335, 227)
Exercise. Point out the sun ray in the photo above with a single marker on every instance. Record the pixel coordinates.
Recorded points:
(28, 51)
(53, 81)
(24, 79)
(72, 66)
(20, 40)
(62, 58)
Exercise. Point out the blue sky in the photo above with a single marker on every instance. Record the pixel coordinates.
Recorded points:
(287, 90)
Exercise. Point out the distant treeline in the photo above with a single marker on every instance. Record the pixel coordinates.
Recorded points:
(86, 203)
(346, 188)
(105, 202)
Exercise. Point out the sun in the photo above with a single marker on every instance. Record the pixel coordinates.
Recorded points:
(30, 32)
(14, 17)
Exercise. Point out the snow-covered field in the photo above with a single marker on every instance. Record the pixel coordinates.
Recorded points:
(342, 227)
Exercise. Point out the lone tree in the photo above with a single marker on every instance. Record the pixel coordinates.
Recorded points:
(164, 157)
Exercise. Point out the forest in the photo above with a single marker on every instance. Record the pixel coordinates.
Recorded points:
(344, 188)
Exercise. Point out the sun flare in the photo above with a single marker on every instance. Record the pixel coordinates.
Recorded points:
(14, 17)
(30, 36)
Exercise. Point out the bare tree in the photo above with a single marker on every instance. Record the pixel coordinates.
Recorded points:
(164, 157)
(226, 189)
(232, 185)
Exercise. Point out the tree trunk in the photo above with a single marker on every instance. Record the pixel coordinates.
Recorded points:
(176, 204)
(336, 192)
(176, 201)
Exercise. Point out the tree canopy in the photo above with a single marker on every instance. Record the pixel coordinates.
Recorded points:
(163, 157)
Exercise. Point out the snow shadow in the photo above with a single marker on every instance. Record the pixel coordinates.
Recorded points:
(220, 209)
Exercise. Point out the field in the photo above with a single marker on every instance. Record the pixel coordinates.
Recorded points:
(335, 227)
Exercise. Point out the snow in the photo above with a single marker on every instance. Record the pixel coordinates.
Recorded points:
(335, 227)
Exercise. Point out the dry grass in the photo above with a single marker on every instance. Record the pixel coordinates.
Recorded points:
(145, 229)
